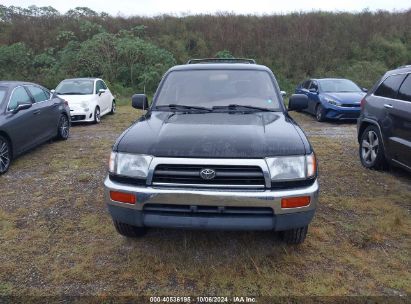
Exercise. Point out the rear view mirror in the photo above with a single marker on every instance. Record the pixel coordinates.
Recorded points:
(283, 93)
(298, 102)
(364, 90)
(22, 106)
(139, 101)
(101, 91)
(312, 90)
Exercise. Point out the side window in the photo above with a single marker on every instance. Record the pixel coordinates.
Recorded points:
(306, 84)
(19, 96)
(390, 86)
(47, 93)
(405, 90)
(314, 85)
(104, 85)
(37, 93)
(99, 85)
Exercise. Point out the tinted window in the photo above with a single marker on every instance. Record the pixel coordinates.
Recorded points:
(37, 93)
(75, 87)
(209, 88)
(306, 84)
(405, 90)
(104, 85)
(19, 96)
(47, 93)
(389, 87)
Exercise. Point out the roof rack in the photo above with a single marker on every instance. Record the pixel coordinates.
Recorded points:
(221, 60)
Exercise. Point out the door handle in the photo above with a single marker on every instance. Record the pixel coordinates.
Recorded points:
(36, 112)
(388, 106)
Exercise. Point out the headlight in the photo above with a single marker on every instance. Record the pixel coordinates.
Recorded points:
(131, 165)
(332, 101)
(292, 167)
(84, 105)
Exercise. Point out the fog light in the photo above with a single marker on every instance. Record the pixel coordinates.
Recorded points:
(122, 197)
(295, 202)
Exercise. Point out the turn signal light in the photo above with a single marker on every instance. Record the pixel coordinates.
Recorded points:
(122, 197)
(295, 202)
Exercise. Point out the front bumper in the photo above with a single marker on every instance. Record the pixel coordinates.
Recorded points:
(78, 114)
(343, 113)
(279, 219)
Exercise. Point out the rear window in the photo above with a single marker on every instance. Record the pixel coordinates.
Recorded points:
(405, 90)
(390, 86)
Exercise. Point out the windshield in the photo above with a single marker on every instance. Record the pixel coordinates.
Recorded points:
(216, 88)
(338, 85)
(75, 87)
(3, 92)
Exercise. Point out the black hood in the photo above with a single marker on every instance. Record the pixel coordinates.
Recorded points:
(214, 135)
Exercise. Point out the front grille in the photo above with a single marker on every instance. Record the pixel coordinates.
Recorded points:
(78, 117)
(225, 176)
(351, 105)
(167, 209)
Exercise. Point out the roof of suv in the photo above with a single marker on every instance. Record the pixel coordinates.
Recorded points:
(404, 68)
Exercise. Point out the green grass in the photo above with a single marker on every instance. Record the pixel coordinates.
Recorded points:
(56, 236)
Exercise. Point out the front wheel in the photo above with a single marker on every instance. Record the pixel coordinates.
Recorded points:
(63, 130)
(97, 117)
(129, 230)
(371, 149)
(319, 113)
(5, 155)
(295, 236)
(113, 108)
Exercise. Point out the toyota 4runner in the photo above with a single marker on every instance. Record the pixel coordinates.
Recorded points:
(215, 150)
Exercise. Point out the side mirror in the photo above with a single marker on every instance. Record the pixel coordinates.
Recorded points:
(297, 102)
(364, 90)
(52, 91)
(283, 93)
(101, 91)
(22, 106)
(139, 101)
(312, 90)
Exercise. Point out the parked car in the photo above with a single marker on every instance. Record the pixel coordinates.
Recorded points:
(215, 150)
(29, 116)
(89, 98)
(384, 126)
(332, 98)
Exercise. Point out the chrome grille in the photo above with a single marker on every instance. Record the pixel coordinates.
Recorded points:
(233, 176)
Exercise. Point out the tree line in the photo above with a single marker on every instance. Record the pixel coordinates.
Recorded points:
(42, 45)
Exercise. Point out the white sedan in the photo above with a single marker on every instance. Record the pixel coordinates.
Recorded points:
(89, 98)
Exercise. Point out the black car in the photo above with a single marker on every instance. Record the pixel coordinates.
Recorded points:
(215, 150)
(384, 126)
(29, 116)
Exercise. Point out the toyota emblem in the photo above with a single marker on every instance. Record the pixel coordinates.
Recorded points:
(207, 173)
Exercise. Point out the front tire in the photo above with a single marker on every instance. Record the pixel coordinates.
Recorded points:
(113, 108)
(5, 155)
(63, 130)
(371, 149)
(129, 230)
(97, 117)
(319, 113)
(295, 236)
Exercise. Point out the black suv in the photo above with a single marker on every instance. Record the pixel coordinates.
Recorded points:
(215, 150)
(384, 126)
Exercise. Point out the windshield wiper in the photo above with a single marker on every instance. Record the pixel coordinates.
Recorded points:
(178, 107)
(238, 107)
(71, 93)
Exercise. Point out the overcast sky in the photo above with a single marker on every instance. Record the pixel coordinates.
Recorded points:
(156, 7)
